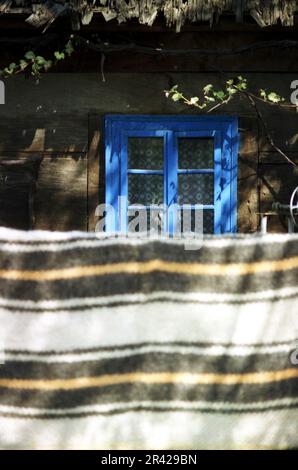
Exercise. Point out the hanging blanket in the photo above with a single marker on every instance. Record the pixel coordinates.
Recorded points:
(139, 344)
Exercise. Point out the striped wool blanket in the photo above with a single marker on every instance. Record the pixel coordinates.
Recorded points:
(139, 344)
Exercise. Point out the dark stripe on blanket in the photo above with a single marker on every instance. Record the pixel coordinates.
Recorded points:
(148, 362)
(126, 253)
(212, 300)
(147, 283)
(129, 393)
(147, 408)
(137, 346)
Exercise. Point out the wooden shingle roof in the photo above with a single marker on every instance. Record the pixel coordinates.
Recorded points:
(176, 12)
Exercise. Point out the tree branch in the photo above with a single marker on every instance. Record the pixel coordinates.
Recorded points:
(265, 127)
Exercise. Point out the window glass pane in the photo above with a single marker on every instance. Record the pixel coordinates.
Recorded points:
(196, 153)
(145, 189)
(145, 153)
(196, 189)
(145, 221)
(207, 219)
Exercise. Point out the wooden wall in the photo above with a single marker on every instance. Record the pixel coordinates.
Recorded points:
(51, 139)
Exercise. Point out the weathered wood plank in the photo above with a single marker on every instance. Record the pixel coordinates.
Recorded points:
(96, 172)
(61, 194)
(248, 194)
(248, 137)
(64, 133)
(51, 116)
(57, 109)
(17, 187)
(277, 185)
(273, 157)
(283, 128)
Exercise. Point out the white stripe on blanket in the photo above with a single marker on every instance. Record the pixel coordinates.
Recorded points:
(215, 351)
(200, 297)
(159, 405)
(163, 430)
(157, 322)
(97, 240)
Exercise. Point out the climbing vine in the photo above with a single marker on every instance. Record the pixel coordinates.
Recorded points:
(35, 64)
(211, 98)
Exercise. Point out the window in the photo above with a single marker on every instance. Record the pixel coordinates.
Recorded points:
(172, 160)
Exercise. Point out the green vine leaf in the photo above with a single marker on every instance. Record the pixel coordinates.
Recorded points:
(23, 64)
(30, 55)
(207, 89)
(274, 97)
(59, 55)
(194, 100)
(219, 94)
(69, 49)
(263, 94)
(40, 60)
(176, 96)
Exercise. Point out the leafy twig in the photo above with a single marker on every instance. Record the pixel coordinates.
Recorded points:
(265, 127)
(223, 96)
(37, 64)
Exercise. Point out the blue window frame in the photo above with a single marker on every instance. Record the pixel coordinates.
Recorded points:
(216, 175)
